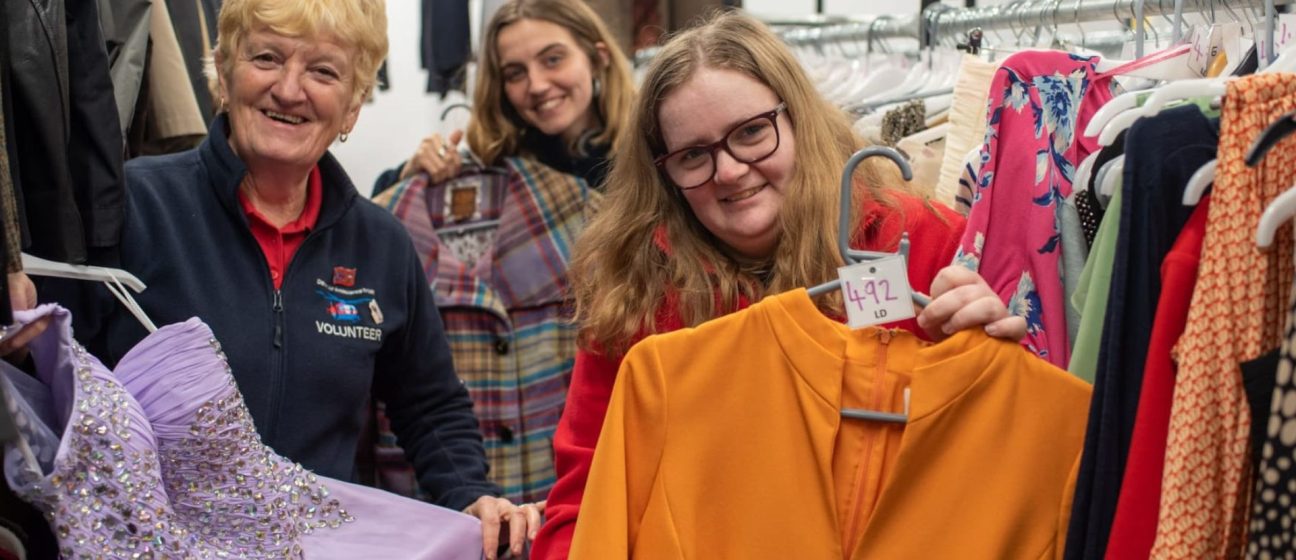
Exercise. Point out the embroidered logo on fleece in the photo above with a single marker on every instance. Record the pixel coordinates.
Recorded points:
(343, 302)
(344, 277)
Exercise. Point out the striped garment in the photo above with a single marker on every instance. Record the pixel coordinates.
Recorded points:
(506, 309)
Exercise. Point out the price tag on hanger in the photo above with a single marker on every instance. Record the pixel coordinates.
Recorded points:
(876, 292)
(1201, 54)
(1209, 41)
(1284, 31)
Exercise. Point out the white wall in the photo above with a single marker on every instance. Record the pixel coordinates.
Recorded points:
(391, 126)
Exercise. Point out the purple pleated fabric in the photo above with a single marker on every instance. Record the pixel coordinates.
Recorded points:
(161, 458)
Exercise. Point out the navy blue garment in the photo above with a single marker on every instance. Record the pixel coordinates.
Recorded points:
(1258, 381)
(443, 47)
(354, 317)
(1161, 153)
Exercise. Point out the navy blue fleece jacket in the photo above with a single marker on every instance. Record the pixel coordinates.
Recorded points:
(354, 316)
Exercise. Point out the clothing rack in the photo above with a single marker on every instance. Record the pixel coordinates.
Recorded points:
(951, 25)
(820, 30)
(948, 23)
(1051, 13)
(862, 31)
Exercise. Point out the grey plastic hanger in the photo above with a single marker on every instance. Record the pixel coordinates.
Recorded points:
(860, 414)
(852, 256)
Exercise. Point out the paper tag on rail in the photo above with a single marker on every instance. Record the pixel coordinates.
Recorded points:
(876, 292)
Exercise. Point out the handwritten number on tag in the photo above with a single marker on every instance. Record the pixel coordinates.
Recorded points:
(878, 290)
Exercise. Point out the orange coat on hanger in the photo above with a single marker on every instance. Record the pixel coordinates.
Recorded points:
(726, 441)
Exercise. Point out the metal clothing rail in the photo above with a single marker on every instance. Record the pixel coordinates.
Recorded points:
(880, 27)
(1051, 13)
(946, 23)
(840, 30)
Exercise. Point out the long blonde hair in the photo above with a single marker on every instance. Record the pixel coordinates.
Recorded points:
(621, 273)
(495, 129)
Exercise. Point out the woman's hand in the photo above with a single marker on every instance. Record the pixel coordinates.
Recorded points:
(22, 296)
(436, 157)
(961, 299)
(500, 517)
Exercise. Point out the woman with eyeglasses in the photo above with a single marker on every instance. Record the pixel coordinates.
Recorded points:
(725, 190)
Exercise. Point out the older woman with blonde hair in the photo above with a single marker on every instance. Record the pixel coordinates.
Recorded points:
(316, 295)
(724, 190)
(552, 84)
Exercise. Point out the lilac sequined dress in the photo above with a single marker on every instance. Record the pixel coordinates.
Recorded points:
(160, 459)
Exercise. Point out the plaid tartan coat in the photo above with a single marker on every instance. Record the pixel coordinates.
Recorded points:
(507, 315)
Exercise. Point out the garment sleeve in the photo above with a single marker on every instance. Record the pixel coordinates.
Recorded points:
(387, 179)
(593, 377)
(625, 461)
(429, 407)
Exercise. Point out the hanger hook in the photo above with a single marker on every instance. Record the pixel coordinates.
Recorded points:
(1028, 8)
(883, 20)
(868, 37)
(834, 35)
(857, 30)
(1053, 21)
(1084, 39)
(848, 189)
(1162, 12)
(1121, 20)
(1039, 14)
(1231, 13)
(962, 19)
(1022, 16)
(1010, 17)
(453, 106)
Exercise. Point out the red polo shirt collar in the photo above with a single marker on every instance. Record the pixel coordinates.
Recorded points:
(280, 244)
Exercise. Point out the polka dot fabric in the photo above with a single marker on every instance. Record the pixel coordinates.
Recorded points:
(1236, 314)
(1273, 509)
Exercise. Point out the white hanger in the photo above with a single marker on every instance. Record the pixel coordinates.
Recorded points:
(1278, 214)
(117, 281)
(37, 266)
(1111, 175)
(1199, 182)
(1286, 62)
(1186, 89)
(1174, 91)
(1084, 171)
(1118, 105)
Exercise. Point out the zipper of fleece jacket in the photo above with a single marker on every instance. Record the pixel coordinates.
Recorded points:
(279, 363)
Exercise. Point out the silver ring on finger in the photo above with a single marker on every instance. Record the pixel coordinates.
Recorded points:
(441, 151)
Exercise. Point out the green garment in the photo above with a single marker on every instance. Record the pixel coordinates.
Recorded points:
(1091, 294)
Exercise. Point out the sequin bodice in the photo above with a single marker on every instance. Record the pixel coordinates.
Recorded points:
(159, 459)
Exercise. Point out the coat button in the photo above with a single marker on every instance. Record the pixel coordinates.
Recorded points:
(501, 346)
(505, 433)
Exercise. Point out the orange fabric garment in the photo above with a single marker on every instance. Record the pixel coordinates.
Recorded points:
(1236, 312)
(727, 441)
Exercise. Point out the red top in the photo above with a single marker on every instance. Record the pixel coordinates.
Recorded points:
(280, 244)
(1134, 526)
(933, 242)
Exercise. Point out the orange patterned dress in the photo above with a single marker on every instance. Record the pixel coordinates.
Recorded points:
(1236, 313)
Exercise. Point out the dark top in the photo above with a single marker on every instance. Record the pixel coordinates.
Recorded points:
(1161, 154)
(349, 320)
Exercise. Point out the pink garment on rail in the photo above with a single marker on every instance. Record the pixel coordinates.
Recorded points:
(1039, 103)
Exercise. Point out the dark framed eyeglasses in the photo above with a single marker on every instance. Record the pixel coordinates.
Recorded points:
(751, 141)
